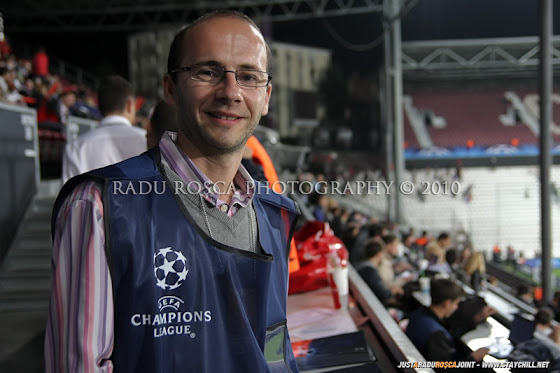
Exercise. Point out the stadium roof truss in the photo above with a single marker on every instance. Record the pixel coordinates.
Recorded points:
(448, 59)
(29, 16)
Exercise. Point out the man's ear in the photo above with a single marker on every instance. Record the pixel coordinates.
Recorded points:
(131, 105)
(267, 98)
(169, 90)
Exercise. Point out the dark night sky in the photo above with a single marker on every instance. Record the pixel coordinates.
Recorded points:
(429, 19)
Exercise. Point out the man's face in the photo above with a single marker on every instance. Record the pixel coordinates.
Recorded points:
(393, 247)
(69, 100)
(446, 242)
(218, 118)
(451, 306)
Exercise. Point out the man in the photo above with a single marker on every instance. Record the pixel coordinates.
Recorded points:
(65, 104)
(435, 250)
(8, 90)
(450, 267)
(41, 62)
(114, 140)
(368, 270)
(389, 266)
(162, 119)
(184, 279)
(426, 326)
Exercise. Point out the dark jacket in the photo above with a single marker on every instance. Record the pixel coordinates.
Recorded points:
(369, 273)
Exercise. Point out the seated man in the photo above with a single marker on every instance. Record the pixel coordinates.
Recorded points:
(390, 265)
(543, 345)
(368, 271)
(435, 250)
(427, 331)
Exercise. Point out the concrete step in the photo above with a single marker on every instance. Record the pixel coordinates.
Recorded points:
(31, 242)
(32, 252)
(37, 226)
(24, 301)
(39, 216)
(26, 281)
(30, 263)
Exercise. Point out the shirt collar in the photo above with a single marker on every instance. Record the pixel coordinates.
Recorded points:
(114, 119)
(185, 168)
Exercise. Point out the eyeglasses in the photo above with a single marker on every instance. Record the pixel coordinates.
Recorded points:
(215, 74)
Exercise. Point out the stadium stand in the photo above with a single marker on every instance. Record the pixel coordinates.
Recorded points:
(468, 116)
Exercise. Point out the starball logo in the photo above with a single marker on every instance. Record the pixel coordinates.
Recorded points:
(170, 268)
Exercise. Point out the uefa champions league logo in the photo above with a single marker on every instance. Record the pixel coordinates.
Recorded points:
(170, 268)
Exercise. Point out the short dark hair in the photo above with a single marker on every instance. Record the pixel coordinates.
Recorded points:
(375, 230)
(164, 118)
(451, 256)
(443, 236)
(372, 248)
(544, 316)
(522, 289)
(176, 50)
(443, 289)
(389, 238)
(112, 94)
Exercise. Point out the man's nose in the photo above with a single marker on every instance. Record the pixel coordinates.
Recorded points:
(229, 89)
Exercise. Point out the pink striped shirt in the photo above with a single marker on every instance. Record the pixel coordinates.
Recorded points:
(79, 333)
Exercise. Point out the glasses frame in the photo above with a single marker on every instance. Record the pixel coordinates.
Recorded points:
(188, 68)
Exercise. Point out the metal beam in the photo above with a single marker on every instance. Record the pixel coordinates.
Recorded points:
(398, 121)
(545, 140)
(106, 18)
(475, 57)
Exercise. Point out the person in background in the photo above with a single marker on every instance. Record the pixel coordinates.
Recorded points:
(450, 267)
(65, 104)
(318, 204)
(435, 250)
(397, 256)
(427, 331)
(189, 279)
(543, 346)
(41, 63)
(364, 234)
(339, 220)
(511, 256)
(555, 305)
(497, 254)
(162, 119)
(5, 48)
(8, 91)
(258, 163)
(525, 293)
(466, 252)
(543, 324)
(114, 140)
(423, 240)
(475, 269)
(367, 269)
(388, 267)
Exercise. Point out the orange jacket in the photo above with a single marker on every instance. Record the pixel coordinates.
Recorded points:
(260, 155)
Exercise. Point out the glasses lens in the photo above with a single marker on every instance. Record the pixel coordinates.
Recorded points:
(211, 74)
(252, 78)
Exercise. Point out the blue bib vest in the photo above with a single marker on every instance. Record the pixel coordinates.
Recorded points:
(184, 302)
(421, 327)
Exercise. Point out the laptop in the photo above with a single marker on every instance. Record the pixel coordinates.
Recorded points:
(521, 330)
